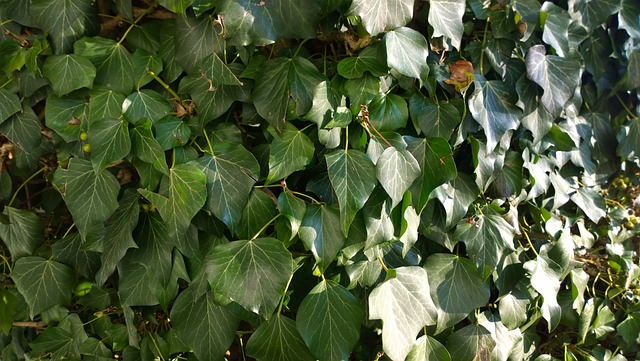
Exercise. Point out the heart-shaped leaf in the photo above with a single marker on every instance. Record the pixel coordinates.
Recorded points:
(320, 232)
(446, 18)
(407, 52)
(290, 151)
(379, 16)
(278, 340)
(69, 72)
(65, 21)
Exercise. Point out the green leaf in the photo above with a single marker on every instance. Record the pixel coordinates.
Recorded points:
(69, 72)
(595, 13)
(195, 39)
(259, 210)
(211, 101)
(320, 233)
(377, 215)
(470, 343)
(143, 62)
(293, 208)
(324, 103)
(43, 283)
(91, 197)
(434, 120)
(64, 116)
(435, 159)
(23, 233)
(23, 129)
(362, 90)
(104, 103)
(70, 252)
(396, 170)
(405, 307)
(628, 18)
(537, 118)
(213, 68)
(187, 194)
(629, 329)
(263, 266)
(147, 148)
(513, 308)
(329, 320)
(388, 112)
(456, 288)
(629, 140)
(118, 235)
(379, 16)
(558, 76)
(353, 178)
(492, 106)
(547, 271)
(114, 69)
(446, 18)
(280, 79)
(407, 52)
(278, 340)
(291, 151)
(428, 348)
(138, 286)
(354, 67)
(487, 238)
(65, 21)
(63, 341)
(591, 203)
(172, 132)
(9, 104)
(110, 141)
(8, 309)
(208, 329)
(147, 104)
(231, 174)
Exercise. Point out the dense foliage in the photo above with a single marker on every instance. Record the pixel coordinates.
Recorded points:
(319, 179)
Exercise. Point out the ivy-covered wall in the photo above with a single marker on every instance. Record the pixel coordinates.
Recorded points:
(319, 180)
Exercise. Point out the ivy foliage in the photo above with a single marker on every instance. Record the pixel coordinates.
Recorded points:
(319, 179)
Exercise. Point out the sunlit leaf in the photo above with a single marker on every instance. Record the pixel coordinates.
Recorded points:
(487, 238)
(446, 18)
(379, 16)
(407, 52)
(428, 348)
(290, 151)
(69, 72)
(396, 170)
(278, 340)
(65, 21)
(320, 233)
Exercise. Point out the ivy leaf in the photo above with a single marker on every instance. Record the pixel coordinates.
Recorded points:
(145, 103)
(172, 132)
(208, 329)
(487, 238)
(407, 52)
(290, 151)
(629, 329)
(114, 69)
(213, 68)
(428, 348)
(446, 18)
(293, 208)
(361, 91)
(118, 235)
(23, 233)
(91, 197)
(69, 251)
(142, 63)
(434, 120)
(65, 21)
(69, 72)
(231, 174)
(628, 17)
(187, 194)
(456, 288)
(147, 148)
(435, 159)
(63, 341)
(388, 112)
(591, 203)
(595, 13)
(280, 79)
(110, 141)
(629, 140)
(259, 210)
(492, 106)
(547, 271)
(278, 340)
(470, 343)
(396, 170)
(537, 118)
(558, 76)
(368, 60)
(405, 307)
(104, 103)
(353, 177)
(211, 101)
(195, 39)
(329, 320)
(138, 285)
(43, 283)
(263, 266)
(64, 116)
(9, 104)
(320, 233)
(379, 16)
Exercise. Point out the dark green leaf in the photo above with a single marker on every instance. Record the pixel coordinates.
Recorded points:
(23, 130)
(428, 348)
(187, 194)
(368, 60)
(114, 69)
(65, 21)
(435, 120)
(320, 233)
(62, 341)
(353, 178)
(64, 116)
(329, 320)
(172, 132)
(628, 17)
(379, 16)
(293, 208)
(629, 329)
(407, 52)
(147, 104)
(91, 197)
(259, 210)
(595, 13)
(69, 72)
(110, 141)
(290, 151)
(263, 266)
(213, 68)
(388, 112)
(43, 283)
(362, 90)
(471, 343)
(195, 39)
(210, 101)
(143, 62)
(23, 233)
(487, 238)
(69, 251)
(278, 340)
(404, 305)
(556, 27)
(147, 148)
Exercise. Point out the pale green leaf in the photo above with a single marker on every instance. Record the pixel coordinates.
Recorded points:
(428, 348)
(556, 27)
(291, 151)
(353, 177)
(407, 52)
(43, 283)
(382, 15)
(320, 233)
(262, 267)
(487, 238)
(446, 18)
(278, 340)
(404, 305)
(396, 170)
(471, 343)
(65, 21)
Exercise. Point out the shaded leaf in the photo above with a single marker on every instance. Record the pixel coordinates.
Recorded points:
(146, 147)
(278, 340)
(320, 233)
(23, 232)
(368, 60)
(114, 69)
(260, 209)
(290, 151)
(388, 112)
(69, 72)
(23, 129)
(471, 343)
(65, 21)
(195, 39)
(628, 17)
(428, 348)
(69, 251)
(434, 120)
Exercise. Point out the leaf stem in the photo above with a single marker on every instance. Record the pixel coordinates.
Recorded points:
(265, 226)
(6, 22)
(384, 266)
(208, 142)
(305, 195)
(5, 260)
(626, 108)
(284, 293)
(24, 184)
(378, 133)
(68, 230)
(6, 83)
(484, 42)
(300, 47)
(135, 22)
(526, 235)
(156, 345)
(164, 85)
